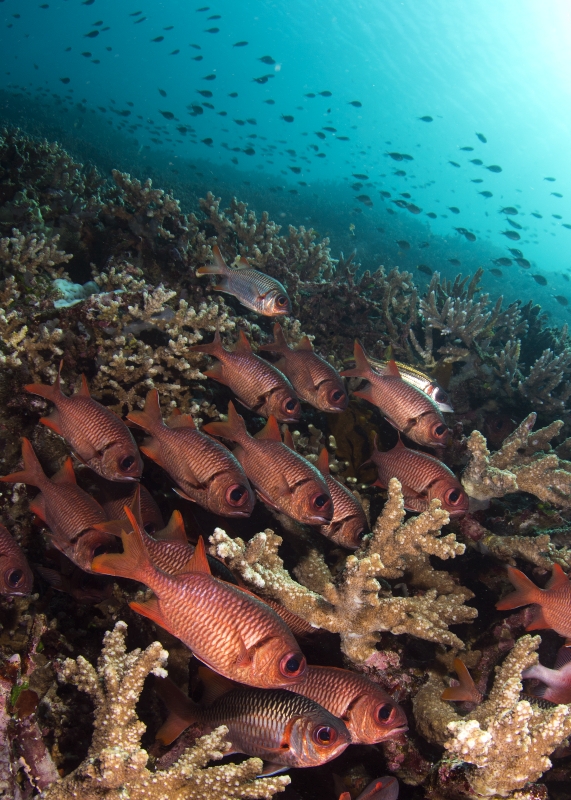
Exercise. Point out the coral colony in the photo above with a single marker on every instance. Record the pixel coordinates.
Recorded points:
(337, 566)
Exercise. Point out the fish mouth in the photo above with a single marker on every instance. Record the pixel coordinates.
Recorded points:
(396, 732)
(126, 479)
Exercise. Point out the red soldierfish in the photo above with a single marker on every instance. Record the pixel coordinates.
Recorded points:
(386, 788)
(230, 630)
(557, 681)
(552, 604)
(254, 289)
(370, 714)
(15, 574)
(423, 478)
(466, 690)
(71, 514)
(257, 384)
(205, 471)
(96, 435)
(405, 406)
(283, 728)
(282, 478)
(313, 379)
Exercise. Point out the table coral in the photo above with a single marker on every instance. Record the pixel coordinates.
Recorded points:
(505, 741)
(116, 764)
(352, 602)
(525, 462)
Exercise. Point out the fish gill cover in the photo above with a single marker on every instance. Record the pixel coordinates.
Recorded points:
(389, 181)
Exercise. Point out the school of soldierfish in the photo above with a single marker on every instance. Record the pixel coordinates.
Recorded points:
(257, 681)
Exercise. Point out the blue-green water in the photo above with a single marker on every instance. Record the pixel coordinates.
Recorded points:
(498, 69)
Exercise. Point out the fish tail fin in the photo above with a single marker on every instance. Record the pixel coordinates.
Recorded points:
(51, 393)
(133, 562)
(279, 345)
(213, 348)
(526, 591)
(32, 473)
(150, 417)
(234, 429)
(362, 367)
(219, 267)
(182, 711)
(466, 690)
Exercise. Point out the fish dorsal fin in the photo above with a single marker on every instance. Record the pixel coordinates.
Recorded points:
(558, 580)
(65, 474)
(198, 561)
(270, 431)
(288, 439)
(234, 429)
(84, 387)
(243, 344)
(182, 711)
(305, 344)
(392, 369)
(563, 657)
(322, 463)
(174, 530)
(133, 562)
(362, 368)
(179, 420)
(243, 263)
(466, 690)
(400, 445)
(218, 258)
(136, 506)
(215, 685)
(150, 417)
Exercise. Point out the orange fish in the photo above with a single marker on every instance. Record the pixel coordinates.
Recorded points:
(257, 384)
(349, 522)
(283, 728)
(282, 478)
(406, 407)
(15, 574)
(557, 681)
(205, 471)
(231, 631)
(313, 379)
(70, 513)
(552, 604)
(466, 689)
(96, 435)
(255, 290)
(370, 714)
(423, 478)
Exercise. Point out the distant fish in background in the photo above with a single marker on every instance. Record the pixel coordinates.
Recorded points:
(503, 261)
(515, 252)
(482, 138)
(552, 605)
(497, 272)
(255, 290)
(494, 168)
(556, 682)
(563, 301)
(424, 269)
(15, 574)
(426, 119)
(509, 210)
(486, 194)
(540, 280)
(523, 262)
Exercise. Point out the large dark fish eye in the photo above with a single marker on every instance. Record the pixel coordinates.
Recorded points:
(453, 496)
(281, 300)
(360, 535)
(324, 734)
(13, 577)
(292, 665)
(99, 550)
(291, 404)
(440, 430)
(126, 463)
(337, 395)
(150, 528)
(320, 500)
(236, 495)
(385, 712)
(440, 396)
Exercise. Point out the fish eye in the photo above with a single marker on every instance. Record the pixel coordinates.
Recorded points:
(324, 735)
(440, 430)
(440, 396)
(337, 395)
(292, 665)
(126, 463)
(290, 405)
(360, 535)
(150, 528)
(281, 300)
(384, 712)
(236, 495)
(13, 577)
(320, 500)
(453, 496)
(99, 550)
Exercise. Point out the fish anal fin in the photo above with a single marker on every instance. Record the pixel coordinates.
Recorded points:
(198, 561)
(243, 344)
(174, 530)
(38, 506)
(183, 494)
(215, 685)
(538, 622)
(322, 463)
(152, 449)
(216, 372)
(288, 439)
(65, 474)
(270, 431)
(558, 579)
(305, 344)
(150, 608)
(84, 387)
(53, 421)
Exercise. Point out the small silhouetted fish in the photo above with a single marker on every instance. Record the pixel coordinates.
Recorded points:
(454, 164)
(233, 94)
(325, 94)
(364, 198)
(196, 46)
(407, 157)
(400, 203)
(270, 102)
(287, 118)
(86, 54)
(310, 94)
(321, 135)
(204, 8)
(565, 225)
(297, 170)
(426, 119)
(167, 114)
(565, 277)
(252, 121)
(405, 194)
(142, 19)
(535, 214)
(423, 245)
(453, 209)
(355, 103)
(455, 262)
(249, 151)
(468, 149)
(549, 179)
(342, 138)
(509, 210)
(92, 35)
(514, 224)
(330, 129)
(403, 244)
(540, 280)
(207, 142)
(557, 216)
(494, 168)
(505, 262)
(168, 28)
(556, 194)
(197, 58)
(497, 272)
(413, 209)
(431, 214)
(482, 138)
(214, 16)
(65, 80)
(267, 60)
(89, 3)
(563, 301)
(209, 78)
(486, 194)
(240, 44)
(204, 92)
(385, 194)
(239, 122)
(360, 176)
(400, 173)
(158, 39)
(161, 91)
(476, 161)
(511, 235)
(515, 252)
(45, 5)
(135, 13)
(477, 180)
(395, 156)
(423, 267)
(263, 79)
(211, 30)
(523, 262)
(471, 237)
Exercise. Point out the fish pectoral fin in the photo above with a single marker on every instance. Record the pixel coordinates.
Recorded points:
(412, 493)
(244, 655)
(116, 527)
(171, 728)
(174, 530)
(216, 372)
(366, 393)
(53, 421)
(222, 285)
(215, 685)
(150, 609)
(152, 450)
(183, 495)
(271, 768)
(65, 474)
(538, 623)
(38, 507)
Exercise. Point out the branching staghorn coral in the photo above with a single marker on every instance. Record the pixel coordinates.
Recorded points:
(502, 746)
(525, 462)
(352, 602)
(116, 764)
